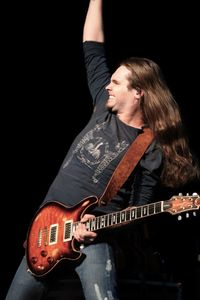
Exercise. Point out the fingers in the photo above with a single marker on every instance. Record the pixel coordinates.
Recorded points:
(87, 217)
(82, 235)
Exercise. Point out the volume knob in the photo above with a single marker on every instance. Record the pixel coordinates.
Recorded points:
(44, 253)
(50, 260)
(34, 260)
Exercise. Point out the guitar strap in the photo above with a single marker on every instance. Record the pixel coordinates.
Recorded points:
(126, 165)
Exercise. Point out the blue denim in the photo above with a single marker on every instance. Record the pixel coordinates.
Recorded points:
(25, 286)
(97, 274)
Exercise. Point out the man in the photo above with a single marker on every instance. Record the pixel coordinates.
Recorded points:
(134, 97)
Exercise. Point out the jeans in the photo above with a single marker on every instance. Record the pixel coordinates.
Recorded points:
(97, 274)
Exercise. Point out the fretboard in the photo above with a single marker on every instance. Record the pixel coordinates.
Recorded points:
(125, 216)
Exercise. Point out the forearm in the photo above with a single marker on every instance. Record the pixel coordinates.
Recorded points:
(93, 27)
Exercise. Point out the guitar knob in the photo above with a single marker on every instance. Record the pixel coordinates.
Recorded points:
(43, 253)
(50, 260)
(34, 260)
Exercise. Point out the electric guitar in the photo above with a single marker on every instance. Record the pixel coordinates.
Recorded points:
(50, 235)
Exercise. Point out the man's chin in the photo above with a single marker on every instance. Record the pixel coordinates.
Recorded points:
(110, 108)
(109, 104)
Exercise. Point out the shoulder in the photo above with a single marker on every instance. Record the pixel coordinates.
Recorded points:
(92, 46)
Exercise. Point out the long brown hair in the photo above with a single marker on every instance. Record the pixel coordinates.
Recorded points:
(162, 114)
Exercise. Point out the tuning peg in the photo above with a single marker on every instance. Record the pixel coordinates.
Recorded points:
(194, 213)
(180, 194)
(195, 194)
(187, 215)
(179, 218)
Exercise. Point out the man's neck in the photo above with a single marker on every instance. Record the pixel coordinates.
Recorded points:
(136, 121)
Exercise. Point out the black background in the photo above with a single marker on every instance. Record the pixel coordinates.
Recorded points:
(46, 102)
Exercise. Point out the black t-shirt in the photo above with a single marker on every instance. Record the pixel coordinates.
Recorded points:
(96, 151)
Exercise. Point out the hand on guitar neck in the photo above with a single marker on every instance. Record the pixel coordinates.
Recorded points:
(82, 234)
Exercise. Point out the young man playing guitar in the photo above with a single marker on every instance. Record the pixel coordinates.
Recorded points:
(134, 97)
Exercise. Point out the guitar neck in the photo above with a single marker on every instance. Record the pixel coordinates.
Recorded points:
(125, 216)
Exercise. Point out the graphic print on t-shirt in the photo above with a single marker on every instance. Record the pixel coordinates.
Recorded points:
(96, 152)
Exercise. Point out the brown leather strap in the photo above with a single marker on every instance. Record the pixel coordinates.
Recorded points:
(126, 165)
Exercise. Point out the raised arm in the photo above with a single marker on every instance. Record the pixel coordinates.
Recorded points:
(93, 27)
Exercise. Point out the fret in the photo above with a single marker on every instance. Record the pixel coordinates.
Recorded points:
(133, 213)
(123, 216)
(93, 224)
(88, 224)
(145, 211)
(107, 220)
(110, 220)
(158, 207)
(128, 215)
(118, 217)
(114, 218)
(138, 212)
(151, 208)
(102, 221)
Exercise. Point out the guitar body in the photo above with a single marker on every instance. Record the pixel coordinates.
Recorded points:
(50, 235)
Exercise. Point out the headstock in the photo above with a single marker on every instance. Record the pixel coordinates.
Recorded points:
(179, 204)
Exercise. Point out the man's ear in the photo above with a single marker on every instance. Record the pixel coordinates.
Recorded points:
(140, 93)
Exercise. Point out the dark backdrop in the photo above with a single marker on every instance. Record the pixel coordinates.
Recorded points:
(46, 102)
